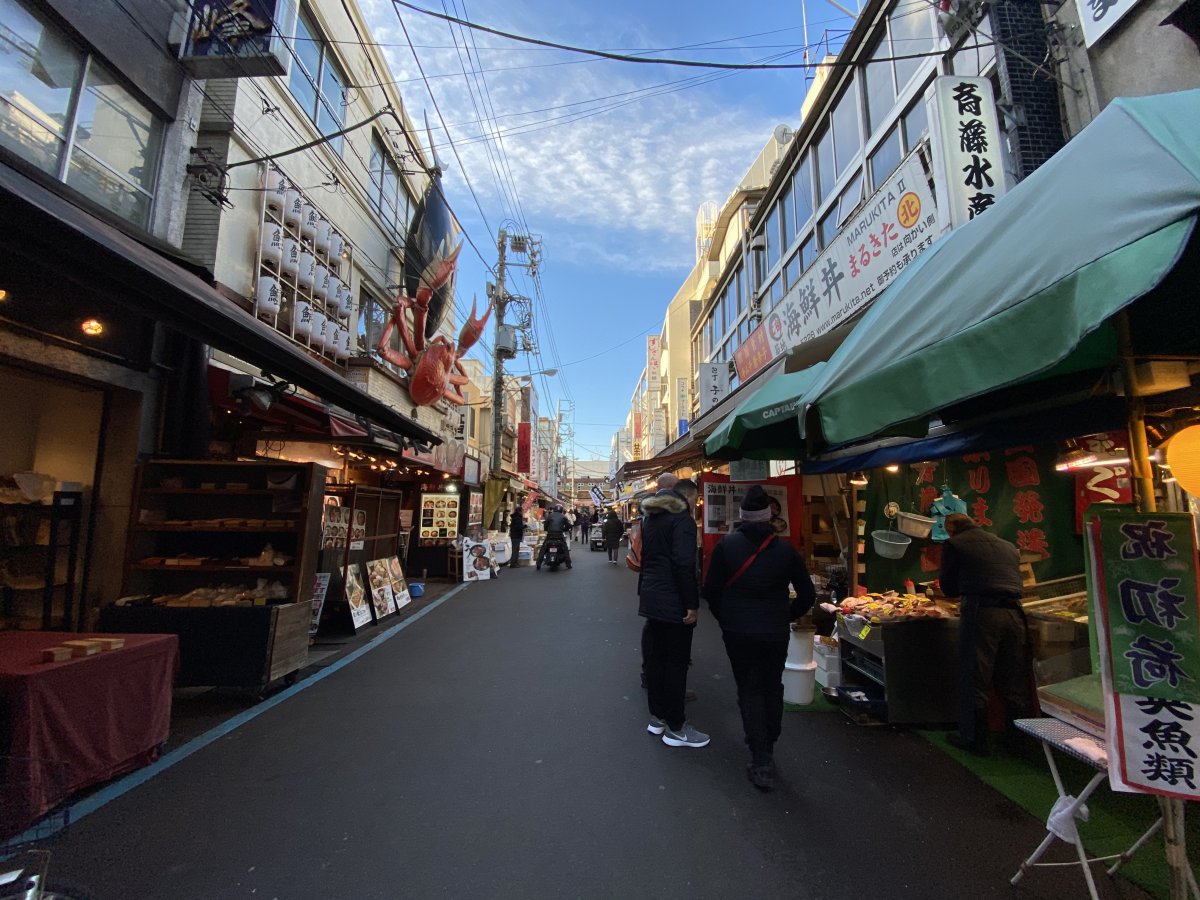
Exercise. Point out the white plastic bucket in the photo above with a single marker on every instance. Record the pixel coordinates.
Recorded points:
(800, 647)
(799, 683)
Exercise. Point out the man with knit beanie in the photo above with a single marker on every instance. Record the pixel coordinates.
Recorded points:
(747, 591)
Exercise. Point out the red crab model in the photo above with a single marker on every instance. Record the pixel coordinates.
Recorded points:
(434, 369)
(430, 256)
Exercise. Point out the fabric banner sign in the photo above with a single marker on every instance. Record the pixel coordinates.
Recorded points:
(654, 365)
(524, 447)
(714, 385)
(895, 226)
(970, 134)
(1142, 581)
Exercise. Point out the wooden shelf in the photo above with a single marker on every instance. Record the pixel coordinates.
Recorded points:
(208, 568)
(210, 529)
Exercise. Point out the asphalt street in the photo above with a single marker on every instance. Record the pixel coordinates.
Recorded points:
(496, 747)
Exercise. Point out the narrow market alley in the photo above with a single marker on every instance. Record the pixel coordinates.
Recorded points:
(496, 747)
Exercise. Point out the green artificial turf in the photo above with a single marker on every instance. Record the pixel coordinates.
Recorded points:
(1115, 820)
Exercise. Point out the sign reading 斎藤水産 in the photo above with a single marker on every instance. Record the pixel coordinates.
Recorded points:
(1142, 578)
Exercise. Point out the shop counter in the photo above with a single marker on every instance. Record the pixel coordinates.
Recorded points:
(71, 724)
(910, 664)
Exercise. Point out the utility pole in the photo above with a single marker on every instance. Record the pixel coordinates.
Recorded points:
(500, 301)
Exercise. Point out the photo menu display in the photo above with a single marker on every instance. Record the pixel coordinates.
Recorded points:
(438, 525)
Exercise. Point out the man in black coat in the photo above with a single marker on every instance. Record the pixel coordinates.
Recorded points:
(516, 531)
(669, 601)
(985, 571)
(747, 590)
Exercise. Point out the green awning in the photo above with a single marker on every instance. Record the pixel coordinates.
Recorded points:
(1024, 292)
(765, 425)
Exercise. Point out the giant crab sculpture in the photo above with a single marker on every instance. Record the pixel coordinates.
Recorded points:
(435, 368)
(430, 257)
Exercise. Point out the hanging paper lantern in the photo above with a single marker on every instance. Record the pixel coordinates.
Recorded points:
(290, 261)
(276, 189)
(272, 243)
(308, 222)
(302, 319)
(268, 296)
(1183, 456)
(322, 239)
(293, 208)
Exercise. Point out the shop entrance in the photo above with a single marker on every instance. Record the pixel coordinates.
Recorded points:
(48, 464)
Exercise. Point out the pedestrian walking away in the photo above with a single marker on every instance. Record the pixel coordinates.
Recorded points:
(985, 571)
(585, 525)
(668, 598)
(516, 531)
(747, 591)
(612, 530)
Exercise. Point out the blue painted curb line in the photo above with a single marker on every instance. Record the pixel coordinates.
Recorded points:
(135, 779)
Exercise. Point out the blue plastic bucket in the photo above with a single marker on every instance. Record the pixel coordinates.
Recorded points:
(416, 589)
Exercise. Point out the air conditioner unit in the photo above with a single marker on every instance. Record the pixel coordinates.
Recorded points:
(506, 342)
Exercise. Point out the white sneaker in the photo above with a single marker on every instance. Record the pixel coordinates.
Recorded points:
(687, 736)
(656, 726)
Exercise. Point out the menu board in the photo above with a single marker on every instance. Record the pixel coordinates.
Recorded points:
(335, 525)
(356, 596)
(380, 576)
(399, 584)
(477, 560)
(439, 520)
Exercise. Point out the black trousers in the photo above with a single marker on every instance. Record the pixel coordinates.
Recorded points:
(992, 652)
(758, 671)
(516, 544)
(612, 546)
(666, 649)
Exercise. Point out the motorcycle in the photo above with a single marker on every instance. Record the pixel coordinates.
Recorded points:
(557, 552)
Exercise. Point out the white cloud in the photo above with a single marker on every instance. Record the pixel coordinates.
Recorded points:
(619, 188)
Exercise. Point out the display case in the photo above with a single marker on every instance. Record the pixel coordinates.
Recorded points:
(224, 555)
(911, 666)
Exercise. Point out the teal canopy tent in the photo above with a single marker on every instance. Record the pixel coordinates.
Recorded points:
(765, 425)
(1027, 291)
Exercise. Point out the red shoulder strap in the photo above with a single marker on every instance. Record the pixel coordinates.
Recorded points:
(761, 547)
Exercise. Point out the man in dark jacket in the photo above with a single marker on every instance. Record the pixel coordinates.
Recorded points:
(985, 571)
(516, 531)
(612, 529)
(747, 591)
(669, 601)
(557, 526)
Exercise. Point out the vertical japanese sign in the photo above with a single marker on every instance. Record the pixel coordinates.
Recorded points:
(683, 405)
(1098, 16)
(654, 366)
(635, 446)
(895, 226)
(524, 447)
(970, 135)
(1142, 578)
(714, 385)
(658, 431)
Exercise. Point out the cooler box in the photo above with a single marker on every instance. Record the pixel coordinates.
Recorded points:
(829, 664)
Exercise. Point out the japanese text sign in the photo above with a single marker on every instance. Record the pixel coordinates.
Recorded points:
(895, 226)
(1142, 576)
(654, 365)
(1098, 16)
(754, 354)
(723, 501)
(970, 136)
(714, 385)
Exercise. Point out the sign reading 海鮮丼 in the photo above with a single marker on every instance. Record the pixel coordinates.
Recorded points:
(1143, 571)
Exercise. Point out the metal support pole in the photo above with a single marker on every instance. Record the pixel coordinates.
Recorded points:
(500, 302)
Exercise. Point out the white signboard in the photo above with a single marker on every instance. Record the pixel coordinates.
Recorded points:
(749, 470)
(477, 560)
(970, 135)
(722, 503)
(896, 225)
(653, 365)
(1098, 16)
(714, 385)
(658, 431)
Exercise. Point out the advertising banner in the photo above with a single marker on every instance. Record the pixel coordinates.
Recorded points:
(654, 365)
(524, 447)
(1142, 580)
(477, 560)
(970, 134)
(893, 228)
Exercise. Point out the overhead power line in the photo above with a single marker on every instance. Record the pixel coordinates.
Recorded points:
(663, 61)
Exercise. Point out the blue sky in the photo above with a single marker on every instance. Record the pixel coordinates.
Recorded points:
(607, 161)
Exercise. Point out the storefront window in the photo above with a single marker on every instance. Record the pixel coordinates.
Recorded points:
(881, 89)
(39, 74)
(49, 90)
(373, 317)
(826, 173)
(802, 192)
(808, 253)
(770, 229)
(787, 222)
(827, 228)
(912, 32)
(850, 200)
(847, 133)
(886, 158)
(916, 123)
(317, 82)
(115, 152)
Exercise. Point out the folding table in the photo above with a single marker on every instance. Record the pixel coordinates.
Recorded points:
(1078, 744)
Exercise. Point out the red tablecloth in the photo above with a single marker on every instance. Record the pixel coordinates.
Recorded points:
(80, 722)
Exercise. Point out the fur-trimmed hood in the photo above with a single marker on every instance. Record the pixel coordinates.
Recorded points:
(664, 502)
